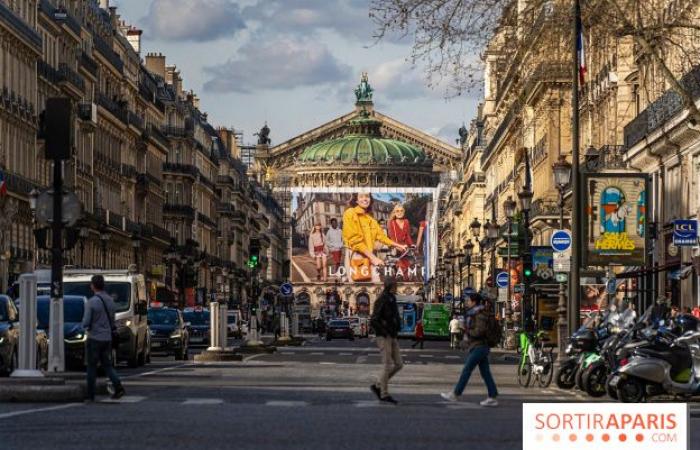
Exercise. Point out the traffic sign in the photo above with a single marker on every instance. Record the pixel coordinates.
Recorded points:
(562, 262)
(286, 288)
(449, 297)
(685, 232)
(561, 240)
(502, 280)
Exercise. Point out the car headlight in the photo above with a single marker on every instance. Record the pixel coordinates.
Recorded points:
(175, 335)
(153, 332)
(568, 348)
(78, 337)
(123, 323)
(2, 339)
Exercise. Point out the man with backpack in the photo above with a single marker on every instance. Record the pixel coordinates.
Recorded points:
(386, 323)
(483, 333)
(98, 320)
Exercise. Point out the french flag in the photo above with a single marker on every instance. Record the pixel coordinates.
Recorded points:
(581, 52)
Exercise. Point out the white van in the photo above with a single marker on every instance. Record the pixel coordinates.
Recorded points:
(128, 290)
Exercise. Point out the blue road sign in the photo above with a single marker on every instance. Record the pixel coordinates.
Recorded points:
(561, 240)
(502, 279)
(685, 232)
(449, 297)
(286, 288)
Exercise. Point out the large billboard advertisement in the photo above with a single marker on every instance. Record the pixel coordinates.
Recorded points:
(616, 219)
(361, 237)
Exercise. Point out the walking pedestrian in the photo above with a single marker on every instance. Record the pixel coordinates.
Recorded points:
(420, 334)
(98, 320)
(455, 331)
(478, 317)
(387, 323)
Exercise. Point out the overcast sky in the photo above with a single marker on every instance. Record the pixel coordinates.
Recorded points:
(292, 63)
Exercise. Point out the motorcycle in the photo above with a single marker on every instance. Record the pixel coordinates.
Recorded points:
(652, 371)
(581, 344)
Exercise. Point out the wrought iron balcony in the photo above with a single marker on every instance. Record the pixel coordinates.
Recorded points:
(186, 169)
(71, 76)
(180, 132)
(46, 71)
(157, 135)
(179, 209)
(89, 64)
(63, 17)
(18, 25)
(206, 219)
(135, 120)
(112, 106)
(107, 52)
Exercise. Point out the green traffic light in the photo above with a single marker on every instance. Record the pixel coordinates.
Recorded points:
(254, 258)
(528, 272)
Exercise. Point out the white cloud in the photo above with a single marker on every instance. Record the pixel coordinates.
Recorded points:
(193, 20)
(277, 64)
(398, 80)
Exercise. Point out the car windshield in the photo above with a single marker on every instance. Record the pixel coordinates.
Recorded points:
(340, 324)
(197, 318)
(231, 319)
(162, 316)
(73, 310)
(120, 292)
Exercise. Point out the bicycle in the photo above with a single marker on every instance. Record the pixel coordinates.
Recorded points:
(535, 358)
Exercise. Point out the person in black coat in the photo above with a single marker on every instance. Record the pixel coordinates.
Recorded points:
(386, 323)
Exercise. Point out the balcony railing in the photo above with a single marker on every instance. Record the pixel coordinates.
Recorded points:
(63, 17)
(18, 25)
(135, 120)
(19, 184)
(47, 71)
(206, 219)
(224, 179)
(662, 110)
(105, 50)
(176, 208)
(157, 135)
(89, 64)
(178, 131)
(71, 76)
(116, 220)
(158, 232)
(112, 106)
(186, 169)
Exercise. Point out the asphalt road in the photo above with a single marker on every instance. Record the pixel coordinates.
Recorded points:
(310, 397)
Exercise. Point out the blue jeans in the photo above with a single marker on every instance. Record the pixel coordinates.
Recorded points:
(99, 351)
(477, 356)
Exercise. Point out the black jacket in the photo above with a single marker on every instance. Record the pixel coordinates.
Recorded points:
(385, 318)
(477, 332)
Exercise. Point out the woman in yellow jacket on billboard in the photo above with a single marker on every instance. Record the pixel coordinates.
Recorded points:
(360, 232)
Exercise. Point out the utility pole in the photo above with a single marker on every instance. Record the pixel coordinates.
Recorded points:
(574, 308)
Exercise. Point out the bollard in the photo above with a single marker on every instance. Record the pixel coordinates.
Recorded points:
(253, 339)
(295, 324)
(284, 331)
(214, 327)
(57, 359)
(27, 328)
(223, 322)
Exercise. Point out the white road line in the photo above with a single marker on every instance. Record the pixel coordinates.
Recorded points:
(286, 403)
(317, 353)
(327, 363)
(203, 401)
(425, 356)
(152, 372)
(125, 399)
(37, 410)
(344, 354)
(372, 404)
(248, 358)
(453, 357)
(361, 360)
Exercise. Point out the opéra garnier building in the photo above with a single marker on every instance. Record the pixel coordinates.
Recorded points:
(360, 193)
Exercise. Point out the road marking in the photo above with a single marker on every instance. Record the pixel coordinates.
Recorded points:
(547, 392)
(453, 357)
(125, 399)
(345, 354)
(153, 372)
(327, 363)
(425, 356)
(248, 358)
(452, 405)
(372, 404)
(317, 353)
(361, 360)
(203, 401)
(36, 410)
(286, 403)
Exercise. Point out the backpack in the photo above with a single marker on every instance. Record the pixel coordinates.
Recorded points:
(493, 331)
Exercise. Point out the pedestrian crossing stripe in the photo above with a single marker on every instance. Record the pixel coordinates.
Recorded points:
(125, 399)
(285, 403)
(203, 401)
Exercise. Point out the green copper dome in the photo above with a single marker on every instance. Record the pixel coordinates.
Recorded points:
(364, 146)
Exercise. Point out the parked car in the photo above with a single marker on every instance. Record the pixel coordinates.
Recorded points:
(360, 326)
(197, 322)
(128, 291)
(74, 335)
(168, 332)
(9, 339)
(339, 329)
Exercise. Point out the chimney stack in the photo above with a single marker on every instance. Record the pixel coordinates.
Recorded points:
(133, 35)
(155, 63)
(104, 4)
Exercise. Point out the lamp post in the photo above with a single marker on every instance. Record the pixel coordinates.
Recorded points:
(104, 238)
(476, 231)
(562, 177)
(468, 249)
(525, 197)
(509, 210)
(84, 233)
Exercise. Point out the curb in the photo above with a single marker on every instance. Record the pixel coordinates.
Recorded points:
(248, 349)
(52, 393)
(217, 356)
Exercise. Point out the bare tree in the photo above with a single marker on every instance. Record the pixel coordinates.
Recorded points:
(452, 36)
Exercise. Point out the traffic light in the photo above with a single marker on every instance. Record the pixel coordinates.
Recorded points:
(528, 273)
(254, 252)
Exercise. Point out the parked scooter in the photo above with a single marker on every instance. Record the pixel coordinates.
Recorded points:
(581, 344)
(654, 371)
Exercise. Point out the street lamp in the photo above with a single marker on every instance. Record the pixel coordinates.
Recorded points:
(104, 238)
(84, 233)
(509, 210)
(468, 248)
(476, 231)
(562, 178)
(525, 197)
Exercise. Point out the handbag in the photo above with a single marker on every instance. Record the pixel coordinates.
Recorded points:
(115, 333)
(362, 269)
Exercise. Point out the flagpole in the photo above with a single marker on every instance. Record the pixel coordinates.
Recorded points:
(574, 278)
